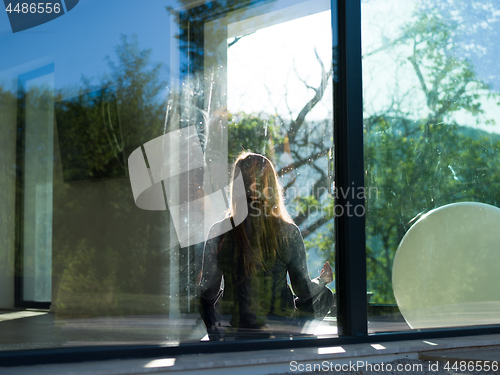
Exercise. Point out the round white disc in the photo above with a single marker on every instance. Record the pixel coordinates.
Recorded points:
(446, 270)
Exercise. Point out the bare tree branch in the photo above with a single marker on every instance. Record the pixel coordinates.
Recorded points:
(413, 61)
(299, 120)
(297, 164)
(314, 226)
(237, 39)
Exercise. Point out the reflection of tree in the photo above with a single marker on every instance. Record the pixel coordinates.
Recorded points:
(107, 252)
(103, 125)
(477, 29)
(448, 82)
(90, 136)
(137, 84)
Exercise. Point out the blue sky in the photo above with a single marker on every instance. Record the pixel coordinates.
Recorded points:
(79, 41)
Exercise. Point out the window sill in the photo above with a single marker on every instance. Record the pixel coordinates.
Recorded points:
(266, 362)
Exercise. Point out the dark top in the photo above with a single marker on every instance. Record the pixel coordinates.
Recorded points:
(252, 300)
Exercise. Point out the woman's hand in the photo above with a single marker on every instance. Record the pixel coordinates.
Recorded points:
(326, 273)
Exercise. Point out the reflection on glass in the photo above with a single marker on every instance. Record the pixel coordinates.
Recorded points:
(430, 101)
(245, 78)
(37, 92)
(109, 256)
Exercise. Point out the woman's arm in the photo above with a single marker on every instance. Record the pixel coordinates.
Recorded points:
(302, 285)
(210, 275)
(209, 281)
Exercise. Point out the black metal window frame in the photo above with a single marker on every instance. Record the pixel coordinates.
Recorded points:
(350, 262)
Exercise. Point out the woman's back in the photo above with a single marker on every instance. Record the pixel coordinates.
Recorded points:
(249, 264)
(253, 300)
(251, 297)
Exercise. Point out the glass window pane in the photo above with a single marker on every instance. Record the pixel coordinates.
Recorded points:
(431, 143)
(119, 140)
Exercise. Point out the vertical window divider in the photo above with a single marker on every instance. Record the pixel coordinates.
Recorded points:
(350, 254)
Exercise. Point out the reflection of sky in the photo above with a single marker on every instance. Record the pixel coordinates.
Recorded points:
(479, 23)
(265, 69)
(385, 78)
(79, 41)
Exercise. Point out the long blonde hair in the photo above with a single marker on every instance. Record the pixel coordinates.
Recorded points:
(266, 211)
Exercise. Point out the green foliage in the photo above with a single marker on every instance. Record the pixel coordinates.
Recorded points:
(248, 132)
(421, 161)
(137, 84)
(90, 136)
(416, 168)
(103, 245)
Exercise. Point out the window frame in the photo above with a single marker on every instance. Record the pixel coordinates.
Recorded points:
(19, 300)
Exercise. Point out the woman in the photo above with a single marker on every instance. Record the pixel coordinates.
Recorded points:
(249, 264)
